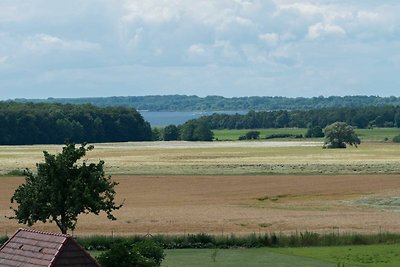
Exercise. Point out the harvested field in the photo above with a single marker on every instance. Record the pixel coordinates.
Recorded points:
(237, 204)
(222, 158)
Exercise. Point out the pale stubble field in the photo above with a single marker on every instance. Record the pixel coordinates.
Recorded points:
(234, 187)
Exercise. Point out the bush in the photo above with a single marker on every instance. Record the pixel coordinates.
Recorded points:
(3, 239)
(396, 139)
(273, 136)
(143, 254)
(314, 132)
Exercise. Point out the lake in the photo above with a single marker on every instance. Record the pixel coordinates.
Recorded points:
(165, 118)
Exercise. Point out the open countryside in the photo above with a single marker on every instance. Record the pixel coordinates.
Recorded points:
(234, 187)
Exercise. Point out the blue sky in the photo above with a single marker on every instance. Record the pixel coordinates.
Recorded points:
(53, 48)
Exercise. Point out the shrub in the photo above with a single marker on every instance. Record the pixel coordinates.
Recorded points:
(143, 254)
(273, 136)
(3, 239)
(315, 131)
(396, 139)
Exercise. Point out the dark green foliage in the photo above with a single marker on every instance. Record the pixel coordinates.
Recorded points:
(360, 117)
(196, 130)
(55, 123)
(143, 254)
(3, 239)
(156, 134)
(202, 240)
(250, 135)
(171, 133)
(62, 189)
(218, 103)
(16, 172)
(273, 136)
(315, 131)
(396, 139)
(338, 134)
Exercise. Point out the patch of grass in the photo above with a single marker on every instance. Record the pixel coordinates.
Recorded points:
(16, 172)
(259, 257)
(371, 255)
(231, 135)
(366, 135)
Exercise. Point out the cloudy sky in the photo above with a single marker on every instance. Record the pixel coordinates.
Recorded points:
(76, 48)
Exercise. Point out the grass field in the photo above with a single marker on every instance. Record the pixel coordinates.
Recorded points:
(368, 256)
(259, 257)
(376, 134)
(362, 256)
(222, 158)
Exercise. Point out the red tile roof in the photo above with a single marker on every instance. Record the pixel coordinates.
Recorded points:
(30, 248)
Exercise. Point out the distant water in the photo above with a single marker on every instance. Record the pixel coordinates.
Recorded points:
(173, 117)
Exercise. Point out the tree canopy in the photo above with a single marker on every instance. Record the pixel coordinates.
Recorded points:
(30, 123)
(63, 188)
(338, 134)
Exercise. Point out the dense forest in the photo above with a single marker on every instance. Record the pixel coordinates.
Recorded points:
(360, 117)
(28, 123)
(219, 103)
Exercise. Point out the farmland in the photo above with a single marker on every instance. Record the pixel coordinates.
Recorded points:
(238, 204)
(223, 158)
(236, 187)
(240, 187)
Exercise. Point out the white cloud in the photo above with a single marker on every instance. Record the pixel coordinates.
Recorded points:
(320, 29)
(269, 38)
(43, 42)
(196, 50)
(3, 59)
(284, 40)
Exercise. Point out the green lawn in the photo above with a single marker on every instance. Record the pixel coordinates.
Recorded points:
(368, 256)
(258, 257)
(362, 256)
(376, 134)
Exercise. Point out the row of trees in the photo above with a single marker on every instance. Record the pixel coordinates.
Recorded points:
(28, 123)
(193, 130)
(219, 103)
(360, 117)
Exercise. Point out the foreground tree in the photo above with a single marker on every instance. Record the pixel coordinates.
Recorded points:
(338, 134)
(62, 189)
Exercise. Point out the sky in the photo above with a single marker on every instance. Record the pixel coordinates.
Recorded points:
(99, 48)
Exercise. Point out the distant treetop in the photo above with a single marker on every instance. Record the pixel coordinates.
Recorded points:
(219, 103)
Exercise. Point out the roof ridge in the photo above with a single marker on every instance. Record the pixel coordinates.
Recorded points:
(43, 232)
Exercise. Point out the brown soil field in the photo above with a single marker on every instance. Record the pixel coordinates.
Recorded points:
(235, 204)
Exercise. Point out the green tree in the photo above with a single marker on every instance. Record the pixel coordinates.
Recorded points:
(62, 189)
(338, 134)
(196, 130)
(170, 133)
(315, 131)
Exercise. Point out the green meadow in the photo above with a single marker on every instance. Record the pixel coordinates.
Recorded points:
(362, 256)
(375, 134)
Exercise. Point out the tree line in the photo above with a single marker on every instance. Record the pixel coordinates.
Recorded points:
(360, 117)
(219, 103)
(29, 123)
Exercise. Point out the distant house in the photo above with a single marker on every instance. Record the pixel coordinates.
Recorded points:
(34, 248)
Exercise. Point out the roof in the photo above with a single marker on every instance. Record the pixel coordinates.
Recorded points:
(35, 248)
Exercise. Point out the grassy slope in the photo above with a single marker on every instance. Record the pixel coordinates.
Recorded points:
(258, 257)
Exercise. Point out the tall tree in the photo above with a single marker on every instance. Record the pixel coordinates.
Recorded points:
(62, 189)
(338, 134)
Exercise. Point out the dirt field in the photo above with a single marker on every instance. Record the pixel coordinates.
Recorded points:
(236, 204)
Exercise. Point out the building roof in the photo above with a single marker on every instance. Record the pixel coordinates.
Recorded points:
(35, 248)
